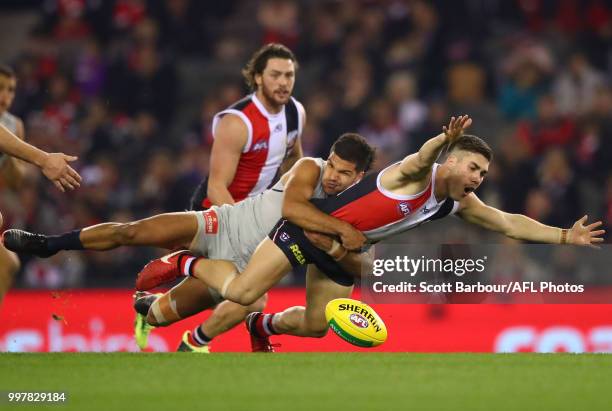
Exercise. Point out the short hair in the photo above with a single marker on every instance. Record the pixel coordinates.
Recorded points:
(354, 148)
(7, 71)
(259, 60)
(473, 144)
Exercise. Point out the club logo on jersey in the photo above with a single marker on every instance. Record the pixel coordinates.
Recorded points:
(358, 320)
(284, 237)
(211, 222)
(297, 253)
(262, 145)
(404, 208)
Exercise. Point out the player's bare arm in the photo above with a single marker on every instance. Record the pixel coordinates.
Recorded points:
(231, 136)
(521, 227)
(412, 174)
(298, 209)
(13, 169)
(53, 165)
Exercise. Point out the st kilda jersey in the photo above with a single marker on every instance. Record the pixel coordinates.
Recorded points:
(271, 137)
(379, 213)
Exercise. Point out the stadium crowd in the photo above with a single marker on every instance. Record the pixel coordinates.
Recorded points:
(131, 86)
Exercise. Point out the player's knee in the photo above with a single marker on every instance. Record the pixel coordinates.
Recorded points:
(243, 295)
(260, 304)
(125, 233)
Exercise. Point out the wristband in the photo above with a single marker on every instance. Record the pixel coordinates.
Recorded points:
(564, 235)
(335, 248)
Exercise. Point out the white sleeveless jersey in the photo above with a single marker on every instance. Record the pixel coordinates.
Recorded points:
(10, 122)
(249, 221)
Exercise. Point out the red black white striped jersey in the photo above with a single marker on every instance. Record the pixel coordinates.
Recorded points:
(379, 213)
(271, 137)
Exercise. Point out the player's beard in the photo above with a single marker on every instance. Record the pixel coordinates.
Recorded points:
(272, 98)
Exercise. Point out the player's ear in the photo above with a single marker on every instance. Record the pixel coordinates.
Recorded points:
(452, 159)
(258, 79)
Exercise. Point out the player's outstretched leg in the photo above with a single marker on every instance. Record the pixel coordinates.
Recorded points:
(169, 230)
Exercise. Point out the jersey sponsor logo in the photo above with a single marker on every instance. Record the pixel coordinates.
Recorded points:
(404, 208)
(358, 320)
(297, 253)
(211, 222)
(284, 237)
(262, 145)
(278, 128)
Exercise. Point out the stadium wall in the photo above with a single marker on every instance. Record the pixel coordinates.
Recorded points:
(101, 320)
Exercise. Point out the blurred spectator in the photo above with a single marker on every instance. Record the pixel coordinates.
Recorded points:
(526, 71)
(548, 129)
(576, 87)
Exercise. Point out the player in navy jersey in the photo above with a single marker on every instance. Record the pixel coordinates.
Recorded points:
(398, 198)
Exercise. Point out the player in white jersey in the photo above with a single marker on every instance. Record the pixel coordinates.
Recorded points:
(12, 169)
(378, 206)
(227, 232)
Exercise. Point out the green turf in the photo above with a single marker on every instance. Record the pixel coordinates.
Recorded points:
(294, 382)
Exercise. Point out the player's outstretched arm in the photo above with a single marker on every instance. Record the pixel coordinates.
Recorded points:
(13, 169)
(53, 165)
(298, 209)
(521, 227)
(418, 165)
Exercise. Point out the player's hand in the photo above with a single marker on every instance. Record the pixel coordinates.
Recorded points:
(456, 127)
(321, 241)
(581, 234)
(351, 238)
(55, 167)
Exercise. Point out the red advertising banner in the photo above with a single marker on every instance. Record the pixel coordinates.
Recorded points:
(101, 320)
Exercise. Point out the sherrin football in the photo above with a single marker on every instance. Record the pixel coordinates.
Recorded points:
(355, 322)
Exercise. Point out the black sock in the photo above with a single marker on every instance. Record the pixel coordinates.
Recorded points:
(66, 241)
(200, 337)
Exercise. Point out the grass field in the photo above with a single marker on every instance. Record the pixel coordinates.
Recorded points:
(318, 382)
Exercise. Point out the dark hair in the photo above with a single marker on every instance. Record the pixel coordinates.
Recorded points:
(473, 144)
(259, 60)
(354, 148)
(7, 71)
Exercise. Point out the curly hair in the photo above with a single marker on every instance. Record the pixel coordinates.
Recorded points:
(259, 60)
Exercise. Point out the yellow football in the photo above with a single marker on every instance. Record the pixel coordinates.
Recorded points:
(355, 322)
